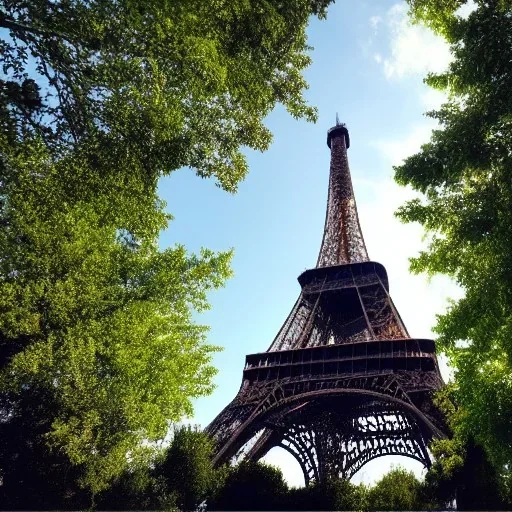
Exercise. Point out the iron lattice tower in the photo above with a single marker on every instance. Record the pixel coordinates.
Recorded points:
(343, 382)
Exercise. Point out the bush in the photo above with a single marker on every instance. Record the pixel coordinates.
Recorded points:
(251, 486)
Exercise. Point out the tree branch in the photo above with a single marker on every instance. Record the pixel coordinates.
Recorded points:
(15, 26)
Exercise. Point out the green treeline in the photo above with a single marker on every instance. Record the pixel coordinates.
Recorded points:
(183, 478)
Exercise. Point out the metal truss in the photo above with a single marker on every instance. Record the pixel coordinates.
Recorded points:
(336, 446)
(342, 383)
(343, 240)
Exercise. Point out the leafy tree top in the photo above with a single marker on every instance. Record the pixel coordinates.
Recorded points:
(160, 83)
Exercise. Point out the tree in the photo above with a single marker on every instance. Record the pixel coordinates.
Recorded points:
(462, 471)
(31, 474)
(334, 494)
(96, 318)
(251, 486)
(137, 488)
(396, 490)
(187, 468)
(157, 85)
(466, 209)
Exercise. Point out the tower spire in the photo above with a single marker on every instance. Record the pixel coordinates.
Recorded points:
(343, 240)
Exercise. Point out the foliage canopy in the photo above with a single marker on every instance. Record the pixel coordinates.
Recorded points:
(464, 175)
(396, 490)
(187, 468)
(97, 318)
(156, 84)
(251, 486)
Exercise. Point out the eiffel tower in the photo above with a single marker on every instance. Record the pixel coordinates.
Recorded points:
(343, 382)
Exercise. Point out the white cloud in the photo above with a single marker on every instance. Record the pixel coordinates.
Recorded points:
(432, 99)
(395, 150)
(392, 243)
(375, 21)
(377, 57)
(413, 49)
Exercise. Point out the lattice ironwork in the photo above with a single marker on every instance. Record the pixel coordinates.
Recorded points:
(342, 382)
(343, 240)
(329, 443)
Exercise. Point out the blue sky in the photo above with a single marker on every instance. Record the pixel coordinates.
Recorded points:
(368, 65)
